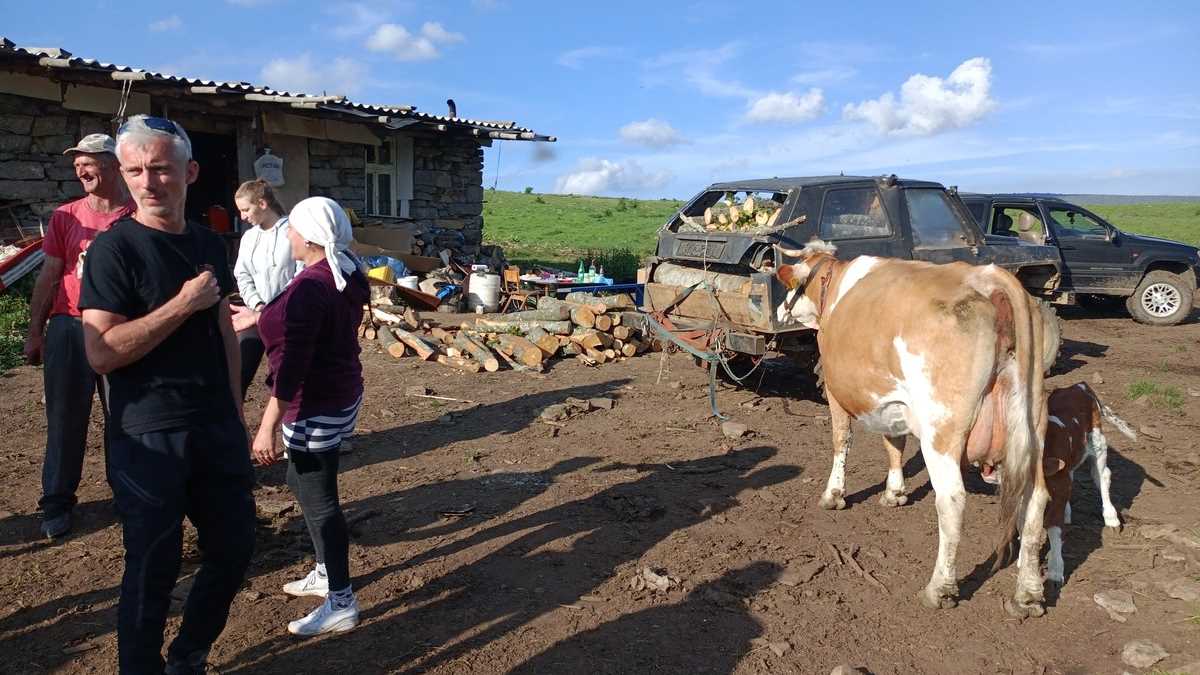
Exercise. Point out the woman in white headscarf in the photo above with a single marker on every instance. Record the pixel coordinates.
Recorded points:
(310, 332)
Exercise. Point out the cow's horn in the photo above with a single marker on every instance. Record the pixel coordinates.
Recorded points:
(790, 252)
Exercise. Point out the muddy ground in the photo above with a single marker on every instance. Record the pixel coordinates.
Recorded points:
(486, 541)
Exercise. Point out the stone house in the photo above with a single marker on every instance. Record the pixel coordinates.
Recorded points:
(421, 174)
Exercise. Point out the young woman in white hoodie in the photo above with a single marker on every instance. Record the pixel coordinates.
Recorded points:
(263, 269)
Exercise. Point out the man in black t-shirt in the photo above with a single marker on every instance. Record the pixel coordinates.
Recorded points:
(157, 328)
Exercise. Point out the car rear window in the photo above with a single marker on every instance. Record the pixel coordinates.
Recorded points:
(977, 210)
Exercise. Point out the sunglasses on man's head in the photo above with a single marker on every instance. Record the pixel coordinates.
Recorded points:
(156, 123)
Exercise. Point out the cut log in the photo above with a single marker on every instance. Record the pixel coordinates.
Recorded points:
(462, 364)
(596, 355)
(419, 346)
(391, 344)
(619, 301)
(571, 349)
(622, 332)
(556, 313)
(603, 323)
(586, 360)
(442, 335)
(503, 326)
(385, 317)
(592, 339)
(546, 342)
(516, 365)
(521, 349)
(551, 303)
(610, 354)
(370, 332)
(480, 353)
(629, 349)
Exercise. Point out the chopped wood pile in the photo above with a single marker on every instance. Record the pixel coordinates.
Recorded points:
(591, 329)
(730, 215)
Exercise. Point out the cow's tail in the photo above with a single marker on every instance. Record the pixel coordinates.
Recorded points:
(1021, 369)
(1110, 416)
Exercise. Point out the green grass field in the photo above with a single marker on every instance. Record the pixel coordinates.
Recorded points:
(559, 229)
(1179, 221)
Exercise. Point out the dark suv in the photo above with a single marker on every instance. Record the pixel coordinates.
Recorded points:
(715, 260)
(1155, 278)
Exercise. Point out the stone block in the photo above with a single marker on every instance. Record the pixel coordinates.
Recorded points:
(474, 193)
(57, 172)
(70, 189)
(451, 223)
(93, 125)
(356, 162)
(356, 179)
(14, 143)
(324, 177)
(466, 209)
(23, 170)
(52, 125)
(53, 145)
(324, 148)
(30, 189)
(16, 124)
(343, 192)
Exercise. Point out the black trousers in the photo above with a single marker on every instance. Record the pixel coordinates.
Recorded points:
(70, 384)
(204, 473)
(252, 349)
(312, 476)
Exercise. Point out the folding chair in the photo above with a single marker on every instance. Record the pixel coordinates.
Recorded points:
(513, 293)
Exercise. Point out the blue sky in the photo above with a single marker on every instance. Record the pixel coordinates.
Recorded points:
(658, 99)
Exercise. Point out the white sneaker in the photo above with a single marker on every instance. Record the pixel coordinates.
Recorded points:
(326, 619)
(314, 584)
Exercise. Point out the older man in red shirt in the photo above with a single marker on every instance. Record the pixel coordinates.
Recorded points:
(55, 333)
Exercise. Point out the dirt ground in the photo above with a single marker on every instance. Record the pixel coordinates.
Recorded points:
(486, 541)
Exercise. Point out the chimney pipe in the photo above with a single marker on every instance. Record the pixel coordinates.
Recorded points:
(452, 110)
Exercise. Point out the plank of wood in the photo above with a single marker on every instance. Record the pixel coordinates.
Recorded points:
(386, 317)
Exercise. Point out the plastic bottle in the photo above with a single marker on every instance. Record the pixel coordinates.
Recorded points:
(579, 274)
(591, 276)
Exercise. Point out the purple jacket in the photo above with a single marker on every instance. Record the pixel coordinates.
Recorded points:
(311, 335)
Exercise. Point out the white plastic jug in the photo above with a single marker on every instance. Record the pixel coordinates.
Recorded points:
(408, 282)
(484, 292)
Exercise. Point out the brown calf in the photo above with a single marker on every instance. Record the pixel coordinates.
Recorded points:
(1074, 436)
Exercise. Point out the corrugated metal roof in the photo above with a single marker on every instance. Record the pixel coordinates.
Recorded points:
(54, 57)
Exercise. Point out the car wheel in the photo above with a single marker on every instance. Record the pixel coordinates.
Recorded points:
(1162, 299)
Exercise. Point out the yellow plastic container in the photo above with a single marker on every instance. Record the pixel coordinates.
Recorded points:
(383, 273)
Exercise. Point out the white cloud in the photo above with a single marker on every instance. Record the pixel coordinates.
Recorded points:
(653, 133)
(928, 105)
(356, 19)
(405, 46)
(785, 107)
(172, 22)
(823, 76)
(301, 74)
(597, 176)
(574, 58)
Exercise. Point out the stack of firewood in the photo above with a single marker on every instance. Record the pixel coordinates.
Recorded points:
(591, 329)
(730, 215)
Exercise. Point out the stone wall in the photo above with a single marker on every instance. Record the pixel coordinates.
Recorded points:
(447, 202)
(33, 134)
(338, 171)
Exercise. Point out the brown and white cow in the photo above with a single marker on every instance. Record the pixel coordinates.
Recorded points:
(951, 354)
(1075, 435)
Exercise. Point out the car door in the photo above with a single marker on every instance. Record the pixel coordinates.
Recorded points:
(857, 219)
(940, 231)
(1094, 260)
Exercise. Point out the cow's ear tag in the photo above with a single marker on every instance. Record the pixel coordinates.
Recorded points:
(1052, 465)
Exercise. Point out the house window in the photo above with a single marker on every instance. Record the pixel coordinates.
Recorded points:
(389, 183)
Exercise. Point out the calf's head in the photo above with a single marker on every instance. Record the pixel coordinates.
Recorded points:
(807, 282)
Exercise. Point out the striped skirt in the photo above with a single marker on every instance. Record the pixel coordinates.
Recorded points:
(321, 433)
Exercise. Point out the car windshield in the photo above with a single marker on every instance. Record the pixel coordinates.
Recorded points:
(934, 221)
